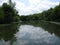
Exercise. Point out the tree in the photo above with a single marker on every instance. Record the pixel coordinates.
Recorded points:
(11, 4)
(57, 13)
(1, 15)
(8, 13)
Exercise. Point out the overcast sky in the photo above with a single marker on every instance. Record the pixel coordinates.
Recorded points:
(26, 7)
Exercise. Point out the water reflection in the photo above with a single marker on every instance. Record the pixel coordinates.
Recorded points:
(50, 27)
(7, 34)
(31, 35)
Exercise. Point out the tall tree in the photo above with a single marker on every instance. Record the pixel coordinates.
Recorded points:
(11, 4)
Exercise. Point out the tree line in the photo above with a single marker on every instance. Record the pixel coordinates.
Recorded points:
(52, 14)
(8, 13)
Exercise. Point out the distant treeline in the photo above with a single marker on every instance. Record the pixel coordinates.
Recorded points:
(52, 14)
(8, 13)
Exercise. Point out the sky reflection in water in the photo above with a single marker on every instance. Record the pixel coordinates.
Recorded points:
(30, 35)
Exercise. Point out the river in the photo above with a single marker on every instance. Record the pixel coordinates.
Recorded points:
(30, 33)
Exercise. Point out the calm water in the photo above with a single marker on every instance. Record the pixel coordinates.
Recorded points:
(30, 33)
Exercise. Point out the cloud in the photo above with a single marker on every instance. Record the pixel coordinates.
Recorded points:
(29, 34)
(26, 7)
(34, 6)
(1, 2)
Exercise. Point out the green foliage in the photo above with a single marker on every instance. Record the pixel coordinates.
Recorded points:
(8, 13)
(57, 13)
(1, 15)
(52, 14)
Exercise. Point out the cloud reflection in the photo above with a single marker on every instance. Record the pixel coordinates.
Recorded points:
(29, 35)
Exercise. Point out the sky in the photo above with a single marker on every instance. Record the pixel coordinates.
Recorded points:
(26, 7)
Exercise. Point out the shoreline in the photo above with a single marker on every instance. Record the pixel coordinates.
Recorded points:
(20, 21)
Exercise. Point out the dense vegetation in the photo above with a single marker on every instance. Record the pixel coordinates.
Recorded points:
(52, 14)
(8, 13)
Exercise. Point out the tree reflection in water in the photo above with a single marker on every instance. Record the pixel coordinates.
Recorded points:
(50, 27)
(7, 32)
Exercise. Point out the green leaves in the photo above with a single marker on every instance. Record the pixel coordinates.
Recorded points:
(7, 13)
(52, 14)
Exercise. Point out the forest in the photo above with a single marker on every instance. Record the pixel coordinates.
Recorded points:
(9, 14)
(52, 14)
